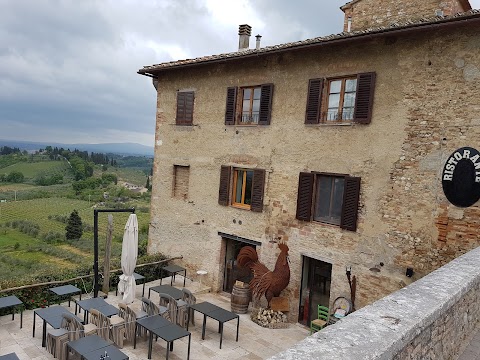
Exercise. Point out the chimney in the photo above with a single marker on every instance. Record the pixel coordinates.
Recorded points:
(244, 32)
(258, 37)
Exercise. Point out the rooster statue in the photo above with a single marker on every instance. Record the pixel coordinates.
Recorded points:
(266, 282)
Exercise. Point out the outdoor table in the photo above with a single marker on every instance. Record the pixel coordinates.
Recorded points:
(167, 289)
(87, 344)
(137, 277)
(215, 312)
(12, 301)
(162, 328)
(66, 290)
(98, 304)
(111, 351)
(11, 356)
(172, 270)
(51, 315)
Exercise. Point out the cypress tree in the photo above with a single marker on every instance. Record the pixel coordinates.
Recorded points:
(74, 228)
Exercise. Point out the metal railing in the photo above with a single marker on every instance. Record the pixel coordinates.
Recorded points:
(83, 277)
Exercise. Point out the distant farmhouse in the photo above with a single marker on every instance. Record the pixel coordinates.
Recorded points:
(333, 145)
(134, 188)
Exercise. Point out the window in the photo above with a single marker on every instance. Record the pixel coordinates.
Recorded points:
(250, 105)
(185, 101)
(341, 99)
(181, 175)
(243, 188)
(347, 99)
(328, 198)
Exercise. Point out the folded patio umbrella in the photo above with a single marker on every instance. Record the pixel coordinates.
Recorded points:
(126, 285)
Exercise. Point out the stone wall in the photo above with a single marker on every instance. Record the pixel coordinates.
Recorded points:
(425, 106)
(433, 318)
(367, 14)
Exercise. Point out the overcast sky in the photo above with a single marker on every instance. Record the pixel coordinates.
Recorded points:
(68, 67)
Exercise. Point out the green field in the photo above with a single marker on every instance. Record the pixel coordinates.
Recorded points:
(33, 250)
(13, 187)
(38, 211)
(33, 219)
(132, 176)
(31, 169)
(22, 254)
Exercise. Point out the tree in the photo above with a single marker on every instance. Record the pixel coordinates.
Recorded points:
(148, 184)
(15, 177)
(74, 228)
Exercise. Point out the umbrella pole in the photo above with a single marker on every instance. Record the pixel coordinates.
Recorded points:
(95, 243)
(106, 264)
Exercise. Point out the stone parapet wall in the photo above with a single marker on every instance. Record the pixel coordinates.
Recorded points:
(433, 318)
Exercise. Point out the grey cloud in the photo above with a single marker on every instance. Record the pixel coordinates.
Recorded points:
(69, 67)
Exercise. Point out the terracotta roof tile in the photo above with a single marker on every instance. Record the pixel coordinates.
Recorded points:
(318, 40)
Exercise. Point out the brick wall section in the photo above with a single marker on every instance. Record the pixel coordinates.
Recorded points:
(433, 318)
(426, 106)
(367, 14)
(180, 178)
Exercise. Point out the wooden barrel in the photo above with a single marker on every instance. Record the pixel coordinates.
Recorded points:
(241, 297)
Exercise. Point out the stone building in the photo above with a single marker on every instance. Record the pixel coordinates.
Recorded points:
(333, 145)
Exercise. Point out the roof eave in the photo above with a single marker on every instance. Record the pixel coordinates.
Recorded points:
(348, 5)
(472, 19)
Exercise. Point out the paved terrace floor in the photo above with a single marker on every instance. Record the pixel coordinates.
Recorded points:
(255, 342)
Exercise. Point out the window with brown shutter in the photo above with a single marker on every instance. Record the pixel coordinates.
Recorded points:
(231, 106)
(351, 196)
(304, 197)
(258, 190)
(247, 188)
(328, 198)
(224, 188)
(344, 99)
(265, 104)
(249, 105)
(364, 99)
(185, 100)
(314, 99)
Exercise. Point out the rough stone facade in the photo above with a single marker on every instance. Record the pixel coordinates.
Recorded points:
(426, 105)
(434, 318)
(366, 14)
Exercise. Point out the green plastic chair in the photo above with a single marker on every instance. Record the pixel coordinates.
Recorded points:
(321, 321)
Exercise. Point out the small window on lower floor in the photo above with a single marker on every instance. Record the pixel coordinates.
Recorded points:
(242, 188)
(181, 175)
(328, 198)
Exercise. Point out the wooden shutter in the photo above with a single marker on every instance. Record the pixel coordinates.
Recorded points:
(304, 197)
(185, 102)
(231, 106)
(258, 187)
(364, 98)
(351, 196)
(314, 100)
(224, 188)
(265, 104)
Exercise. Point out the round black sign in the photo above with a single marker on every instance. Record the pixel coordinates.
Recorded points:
(461, 177)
